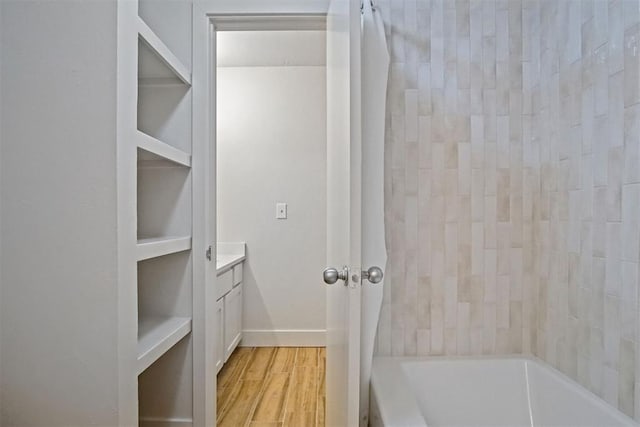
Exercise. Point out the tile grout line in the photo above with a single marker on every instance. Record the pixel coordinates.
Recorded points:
(317, 383)
(322, 383)
(223, 410)
(245, 367)
(267, 373)
(291, 377)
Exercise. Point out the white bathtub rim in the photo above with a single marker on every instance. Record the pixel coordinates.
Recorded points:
(401, 406)
(388, 385)
(582, 391)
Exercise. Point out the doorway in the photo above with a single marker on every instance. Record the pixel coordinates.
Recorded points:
(271, 197)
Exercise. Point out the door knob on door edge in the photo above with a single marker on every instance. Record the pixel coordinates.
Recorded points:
(373, 274)
(332, 275)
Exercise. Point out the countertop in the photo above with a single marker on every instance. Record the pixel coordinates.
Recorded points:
(228, 255)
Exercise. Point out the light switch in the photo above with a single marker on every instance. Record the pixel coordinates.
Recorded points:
(281, 210)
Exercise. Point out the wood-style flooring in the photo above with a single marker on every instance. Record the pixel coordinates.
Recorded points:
(272, 386)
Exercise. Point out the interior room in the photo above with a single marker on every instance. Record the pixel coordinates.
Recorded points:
(320, 213)
(271, 198)
(271, 177)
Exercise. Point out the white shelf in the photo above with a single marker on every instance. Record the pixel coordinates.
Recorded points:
(157, 335)
(160, 151)
(160, 246)
(156, 61)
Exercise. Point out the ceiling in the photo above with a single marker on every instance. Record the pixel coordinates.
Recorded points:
(270, 48)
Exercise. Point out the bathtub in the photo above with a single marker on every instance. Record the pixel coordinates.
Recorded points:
(439, 392)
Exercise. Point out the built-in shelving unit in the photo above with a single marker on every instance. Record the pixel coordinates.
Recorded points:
(156, 61)
(162, 139)
(157, 247)
(154, 152)
(157, 335)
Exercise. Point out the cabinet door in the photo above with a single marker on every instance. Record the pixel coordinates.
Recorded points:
(232, 320)
(224, 283)
(219, 353)
(237, 274)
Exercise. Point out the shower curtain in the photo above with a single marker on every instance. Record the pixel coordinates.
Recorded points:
(375, 70)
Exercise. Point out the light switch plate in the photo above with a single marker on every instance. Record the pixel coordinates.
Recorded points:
(281, 210)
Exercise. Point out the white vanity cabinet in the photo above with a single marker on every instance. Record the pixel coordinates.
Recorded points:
(229, 302)
(219, 353)
(224, 283)
(232, 320)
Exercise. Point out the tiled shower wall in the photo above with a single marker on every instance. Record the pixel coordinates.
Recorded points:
(586, 126)
(513, 185)
(455, 201)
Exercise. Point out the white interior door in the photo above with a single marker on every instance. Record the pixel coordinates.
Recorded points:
(344, 208)
(205, 324)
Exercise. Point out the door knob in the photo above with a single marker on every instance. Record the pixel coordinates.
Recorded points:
(373, 274)
(332, 275)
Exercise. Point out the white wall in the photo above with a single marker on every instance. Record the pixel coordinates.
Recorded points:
(272, 148)
(58, 217)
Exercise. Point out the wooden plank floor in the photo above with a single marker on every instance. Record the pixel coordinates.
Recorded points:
(272, 387)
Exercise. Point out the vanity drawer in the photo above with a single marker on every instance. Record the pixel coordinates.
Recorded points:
(237, 274)
(224, 283)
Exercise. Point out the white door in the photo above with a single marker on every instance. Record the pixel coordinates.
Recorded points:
(344, 205)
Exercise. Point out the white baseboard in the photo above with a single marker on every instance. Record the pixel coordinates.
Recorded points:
(165, 422)
(283, 338)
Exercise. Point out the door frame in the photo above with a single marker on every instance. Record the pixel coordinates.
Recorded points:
(344, 238)
(210, 16)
